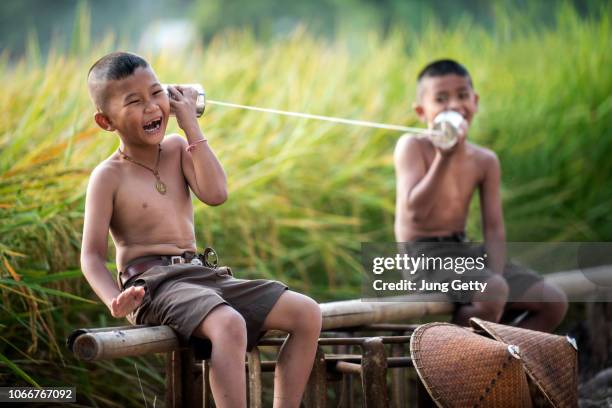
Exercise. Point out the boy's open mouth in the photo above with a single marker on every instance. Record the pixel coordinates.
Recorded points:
(153, 126)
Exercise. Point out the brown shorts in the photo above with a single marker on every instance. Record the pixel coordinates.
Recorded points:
(182, 295)
(518, 277)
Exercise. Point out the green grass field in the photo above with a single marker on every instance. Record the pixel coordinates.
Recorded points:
(303, 194)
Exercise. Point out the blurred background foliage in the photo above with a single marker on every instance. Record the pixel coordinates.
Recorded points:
(303, 194)
(53, 22)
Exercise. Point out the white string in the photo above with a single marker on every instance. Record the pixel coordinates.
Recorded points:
(413, 130)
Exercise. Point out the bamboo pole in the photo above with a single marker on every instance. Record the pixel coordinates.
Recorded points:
(351, 313)
(123, 343)
(580, 283)
(112, 342)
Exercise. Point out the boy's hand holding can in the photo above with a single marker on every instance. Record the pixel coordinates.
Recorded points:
(183, 102)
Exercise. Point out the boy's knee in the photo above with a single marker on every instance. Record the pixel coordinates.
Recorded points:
(225, 325)
(232, 328)
(312, 315)
(497, 288)
(556, 295)
(308, 316)
(555, 302)
(490, 306)
(488, 310)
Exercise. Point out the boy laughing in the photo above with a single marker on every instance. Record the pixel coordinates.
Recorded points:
(142, 195)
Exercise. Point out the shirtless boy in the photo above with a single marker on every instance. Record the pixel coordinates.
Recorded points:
(142, 194)
(434, 189)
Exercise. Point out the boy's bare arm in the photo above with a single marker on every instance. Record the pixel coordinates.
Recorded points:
(94, 249)
(492, 214)
(203, 172)
(416, 185)
(201, 167)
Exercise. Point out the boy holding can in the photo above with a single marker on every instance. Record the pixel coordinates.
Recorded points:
(434, 188)
(142, 195)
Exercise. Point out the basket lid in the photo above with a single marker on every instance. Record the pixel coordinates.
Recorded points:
(551, 361)
(460, 368)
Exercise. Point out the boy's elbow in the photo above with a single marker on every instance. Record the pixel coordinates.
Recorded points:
(83, 261)
(418, 216)
(217, 199)
(418, 213)
(91, 260)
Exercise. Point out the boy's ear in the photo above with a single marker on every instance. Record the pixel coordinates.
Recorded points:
(418, 109)
(103, 121)
(476, 99)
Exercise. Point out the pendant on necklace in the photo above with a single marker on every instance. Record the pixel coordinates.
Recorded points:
(160, 187)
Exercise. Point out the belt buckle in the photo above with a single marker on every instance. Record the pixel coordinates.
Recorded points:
(196, 261)
(178, 259)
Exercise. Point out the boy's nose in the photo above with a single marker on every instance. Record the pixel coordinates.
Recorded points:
(150, 106)
(454, 104)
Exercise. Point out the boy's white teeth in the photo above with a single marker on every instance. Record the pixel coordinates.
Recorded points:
(152, 126)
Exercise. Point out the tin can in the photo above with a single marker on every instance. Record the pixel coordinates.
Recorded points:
(447, 125)
(200, 102)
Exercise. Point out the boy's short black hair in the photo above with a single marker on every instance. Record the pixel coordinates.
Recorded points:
(116, 65)
(443, 67)
(112, 67)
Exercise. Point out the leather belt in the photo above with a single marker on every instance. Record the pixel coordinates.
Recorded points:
(454, 237)
(208, 258)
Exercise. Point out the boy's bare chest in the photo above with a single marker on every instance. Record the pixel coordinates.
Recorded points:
(139, 205)
(459, 183)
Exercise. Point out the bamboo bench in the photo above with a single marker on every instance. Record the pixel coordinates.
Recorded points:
(187, 374)
(349, 317)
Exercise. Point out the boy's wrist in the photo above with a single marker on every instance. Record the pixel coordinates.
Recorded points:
(441, 157)
(193, 133)
(195, 144)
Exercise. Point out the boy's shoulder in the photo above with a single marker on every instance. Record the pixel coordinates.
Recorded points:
(108, 168)
(483, 154)
(104, 178)
(408, 140)
(174, 141)
(410, 143)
